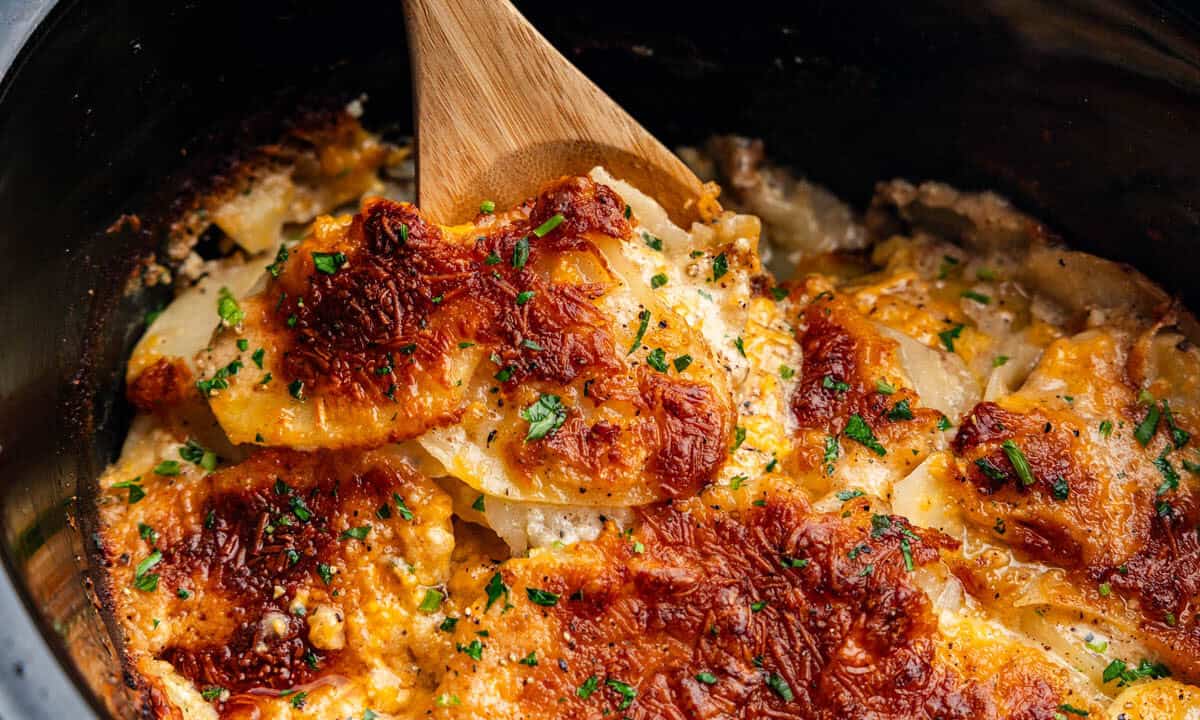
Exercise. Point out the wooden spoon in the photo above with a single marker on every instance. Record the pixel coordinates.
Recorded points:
(499, 112)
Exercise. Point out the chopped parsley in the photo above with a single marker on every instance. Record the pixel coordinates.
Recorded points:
(547, 227)
(793, 562)
(196, 454)
(1179, 436)
(900, 411)
(473, 650)
(544, 417)
(778, 293)
(740, 345)
(212, 692)
(530, 659)
(492, 259)
(949, 336)
(495, 590)
(401, 507)
(1013, 452)
(325, 573)
(219, 379)
(328, 263)
(884, 387)
(780, 687)
(739, 437)
(227, 307)
(990, 470)
(257, 356)
(977, 297)
(520, 254)
(143, 579)
(906, 552)
(831, 454)
(296, 389)
(588, 687)
(281, 257)
(524, 296)
(1106, 428)
(478, 504)
(787, 373)
(720, 266)
(167, 468)
(136, 492)
(999, 360)
(657, 359)
(448, 624)
(643, 323)
(1119, 670)
(682, 362)
(943, 423)
(847, 495)
(1059, 489)
(658, 281)
(487, 206)
(1145, 429)
(357, 533)
(541, 597)
(829, 383)
(707, 678)
(299, 509)
(1073, 710)
(626, 691)
(1170, 477)
(859, 431)
(652, 241)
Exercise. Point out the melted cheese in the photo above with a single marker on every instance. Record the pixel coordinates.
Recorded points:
(788, 501)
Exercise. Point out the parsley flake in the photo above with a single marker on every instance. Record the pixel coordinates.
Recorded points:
(859, 431)
(328, 263)
(544, 417)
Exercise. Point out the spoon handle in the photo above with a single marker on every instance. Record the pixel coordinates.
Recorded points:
(499, 111)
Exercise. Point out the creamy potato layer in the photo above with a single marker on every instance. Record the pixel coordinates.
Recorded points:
(570, 460)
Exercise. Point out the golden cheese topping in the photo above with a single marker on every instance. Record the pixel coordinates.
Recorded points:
(760, 608)
(516, 333)
(572, 461)
(285, 580)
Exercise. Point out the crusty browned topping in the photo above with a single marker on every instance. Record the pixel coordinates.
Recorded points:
(1064, 512)
(406, 298)
(842, 360)
(1048, 529)
(768, 612)
(266, 531)
(166, 382)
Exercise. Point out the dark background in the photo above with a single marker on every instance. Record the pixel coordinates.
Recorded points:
(1084, 113)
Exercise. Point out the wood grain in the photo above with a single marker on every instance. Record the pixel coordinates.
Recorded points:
(499, 111)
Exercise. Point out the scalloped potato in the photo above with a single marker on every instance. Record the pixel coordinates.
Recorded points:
(570, 460)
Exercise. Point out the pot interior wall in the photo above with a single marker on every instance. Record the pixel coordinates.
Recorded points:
(1084, 113)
